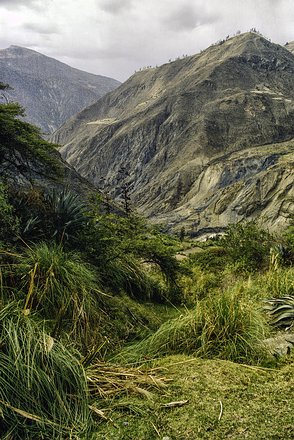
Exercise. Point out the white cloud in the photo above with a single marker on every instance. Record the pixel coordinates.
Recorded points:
(115, 37)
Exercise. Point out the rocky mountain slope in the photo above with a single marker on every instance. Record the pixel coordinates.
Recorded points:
(290, 46)
(202, 141)
(50, 91)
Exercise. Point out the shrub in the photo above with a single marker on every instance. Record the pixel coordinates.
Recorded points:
(248, 245)
(67, 214)
(212, 258)
(9, 224)
(277, 283)
(198, 284)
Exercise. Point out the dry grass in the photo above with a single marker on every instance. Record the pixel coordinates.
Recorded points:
(108, 380)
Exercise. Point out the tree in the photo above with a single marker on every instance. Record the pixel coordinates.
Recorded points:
(4, 86)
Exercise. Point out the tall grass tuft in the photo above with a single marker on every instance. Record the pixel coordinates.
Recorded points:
(59, 285)
(228, 326)
(127, 274)
(43, 387)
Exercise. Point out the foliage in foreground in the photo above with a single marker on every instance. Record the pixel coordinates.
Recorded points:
(59, 284)
(222, 400)
(43, 388)
(227, 326)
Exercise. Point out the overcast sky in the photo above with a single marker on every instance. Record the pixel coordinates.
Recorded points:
(117, 37)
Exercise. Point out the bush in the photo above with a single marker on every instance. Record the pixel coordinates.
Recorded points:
(212, 258)
(9, 224)
(122, 248)
(198, 284)
(248, 246)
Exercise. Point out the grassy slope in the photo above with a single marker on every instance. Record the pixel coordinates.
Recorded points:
(257, 404)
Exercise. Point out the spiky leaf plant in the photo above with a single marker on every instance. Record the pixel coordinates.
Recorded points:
(281, 311)
(67, 213)
(43, 388)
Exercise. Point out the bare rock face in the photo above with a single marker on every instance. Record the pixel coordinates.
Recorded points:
(206, 140)
(20, 170)
(50, 91)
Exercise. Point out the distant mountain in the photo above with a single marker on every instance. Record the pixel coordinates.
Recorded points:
(206, 140)
(290, 46)
(50, 91)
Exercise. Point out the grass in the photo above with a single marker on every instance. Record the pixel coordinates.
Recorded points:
(60, 286)
(257, 404)
(43, 387)
(228, 326)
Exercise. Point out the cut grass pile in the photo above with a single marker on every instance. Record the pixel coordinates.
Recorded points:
(218, 400)
(108, 380)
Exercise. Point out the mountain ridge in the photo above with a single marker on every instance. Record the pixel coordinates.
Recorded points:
(50, 91)
(165, 125)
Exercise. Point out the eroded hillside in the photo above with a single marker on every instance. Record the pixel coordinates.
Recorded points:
(206, 140)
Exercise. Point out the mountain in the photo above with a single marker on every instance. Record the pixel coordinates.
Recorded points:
(290, 46)
(50, 91)
(204, 141)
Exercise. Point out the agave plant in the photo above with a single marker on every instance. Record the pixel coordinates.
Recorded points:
(281, 311)
(67, 212)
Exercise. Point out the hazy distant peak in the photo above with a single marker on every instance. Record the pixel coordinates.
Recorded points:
(50, 91)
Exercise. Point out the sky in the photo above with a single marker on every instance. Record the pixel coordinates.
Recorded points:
(117, 37)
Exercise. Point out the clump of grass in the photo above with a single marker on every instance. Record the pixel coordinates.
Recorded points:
(127, 274)
(278, 283)
(43, 387)
(59, 285)
(227, 326)
(197, 284)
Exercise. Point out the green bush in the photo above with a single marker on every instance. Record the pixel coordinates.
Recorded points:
(212, 258)
(9, 223)
(18, 136)
(277, 283)
(248, 246)
(198, 284)
(122, 248)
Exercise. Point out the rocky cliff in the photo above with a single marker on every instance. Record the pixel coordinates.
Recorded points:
(49, 90)
(203, 141)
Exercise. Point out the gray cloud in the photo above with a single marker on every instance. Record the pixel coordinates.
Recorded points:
(42, 28)
(116, 37)
(116, 6)
(187, 18)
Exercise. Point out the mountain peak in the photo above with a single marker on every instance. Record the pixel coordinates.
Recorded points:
(192, 134)
(50, 90)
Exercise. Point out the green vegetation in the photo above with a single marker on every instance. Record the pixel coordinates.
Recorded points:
(221, 400)
(22, 139)
(84, 294)
(227, 326)
(43, 388)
